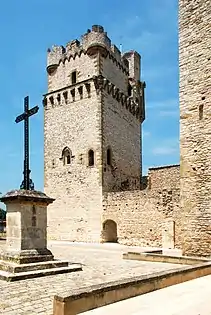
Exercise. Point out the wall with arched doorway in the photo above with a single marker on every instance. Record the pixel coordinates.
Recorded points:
(109, 232)
(148, 217)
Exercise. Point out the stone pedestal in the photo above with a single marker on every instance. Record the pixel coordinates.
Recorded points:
(26, 254)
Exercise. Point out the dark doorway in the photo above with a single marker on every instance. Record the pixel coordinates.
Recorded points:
(109, 231)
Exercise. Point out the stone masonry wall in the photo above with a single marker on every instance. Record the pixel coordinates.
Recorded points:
(84, 66)
(164, 177)
(121, 129)
(77, 188)
(141, 215)
(195, 124)
(121, 133)
(117, 76)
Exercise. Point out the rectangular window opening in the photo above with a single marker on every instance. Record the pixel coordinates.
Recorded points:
(201, 111)
(34, 221)
(73, 77)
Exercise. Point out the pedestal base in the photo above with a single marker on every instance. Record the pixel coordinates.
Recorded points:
(27, 256)
(11, 271)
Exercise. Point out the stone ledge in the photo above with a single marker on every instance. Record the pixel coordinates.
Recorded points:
(26, 195)
(157, 256)
(16, 268)
(56, 269)
(84, 299)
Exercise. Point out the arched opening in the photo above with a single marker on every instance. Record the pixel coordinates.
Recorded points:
(109, 232)
(91, 157)
(66, 155)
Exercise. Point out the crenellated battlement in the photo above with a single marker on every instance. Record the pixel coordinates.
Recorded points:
(83, 90)
(93, 41)
(69, 94)
(96, 37)
(135, 106)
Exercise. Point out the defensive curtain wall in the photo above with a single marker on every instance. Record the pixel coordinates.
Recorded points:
(149, 217)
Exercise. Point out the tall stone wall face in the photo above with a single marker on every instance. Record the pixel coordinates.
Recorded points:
(77, 187)
(142, 216)
(121, 134)
(121, 129)
(195, 124)
(84, 65)
(110, 70)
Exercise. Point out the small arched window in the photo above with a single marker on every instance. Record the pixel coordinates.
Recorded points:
(108, 157)
(66, 155)
(91, 157)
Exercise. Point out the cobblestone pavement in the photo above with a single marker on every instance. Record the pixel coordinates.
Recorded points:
(101, 263)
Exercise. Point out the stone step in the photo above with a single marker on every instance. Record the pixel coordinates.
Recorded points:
(8, 276)
(16, 268)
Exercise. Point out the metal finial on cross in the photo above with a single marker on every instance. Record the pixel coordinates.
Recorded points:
(27, 183)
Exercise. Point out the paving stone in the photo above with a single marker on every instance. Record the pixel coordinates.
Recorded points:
(101, 263)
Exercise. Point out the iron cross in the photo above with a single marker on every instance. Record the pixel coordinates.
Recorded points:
(27, 182)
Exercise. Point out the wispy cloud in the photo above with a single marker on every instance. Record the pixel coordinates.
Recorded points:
(168, 146)
(145, 32)
(146, 134)
(164, 151)
(168, 113)
(163, 104)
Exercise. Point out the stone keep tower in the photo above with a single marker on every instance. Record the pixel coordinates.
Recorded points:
(195, 124)
(92, 116)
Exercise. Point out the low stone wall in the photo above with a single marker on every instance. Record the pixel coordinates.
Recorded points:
(157, 257)
(164, 177)
(85, 299)
(149, 217)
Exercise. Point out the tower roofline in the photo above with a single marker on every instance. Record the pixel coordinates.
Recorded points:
(94, 38)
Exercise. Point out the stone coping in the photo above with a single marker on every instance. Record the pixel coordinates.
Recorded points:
(157, 256)
(26, 195)
(113, 285)
(163, 166)
(77, 301)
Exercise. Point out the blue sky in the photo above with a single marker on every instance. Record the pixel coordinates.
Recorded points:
(28, 28)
